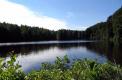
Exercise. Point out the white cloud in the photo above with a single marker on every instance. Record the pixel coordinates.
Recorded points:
(18, 14)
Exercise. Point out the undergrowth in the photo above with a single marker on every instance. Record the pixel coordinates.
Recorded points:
(62, 69)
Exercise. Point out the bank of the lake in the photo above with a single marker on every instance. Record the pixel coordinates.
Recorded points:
(62, 69)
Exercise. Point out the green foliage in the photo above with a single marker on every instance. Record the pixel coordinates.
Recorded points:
(9, 70)
(64, 34)
(78, 70)
(15, 33)
(62, 69)
(111, 30)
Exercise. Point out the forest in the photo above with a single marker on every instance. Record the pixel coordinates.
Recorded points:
(111, 30)
(15, 33)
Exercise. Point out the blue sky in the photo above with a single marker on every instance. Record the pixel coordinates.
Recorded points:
(76, 14)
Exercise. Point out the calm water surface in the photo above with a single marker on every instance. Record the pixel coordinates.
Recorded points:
(30, 55)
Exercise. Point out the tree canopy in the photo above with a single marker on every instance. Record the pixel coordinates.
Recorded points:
(111, 30)
(15, 33)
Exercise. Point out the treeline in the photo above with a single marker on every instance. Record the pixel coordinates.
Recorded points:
(15, 33)
(111, 30)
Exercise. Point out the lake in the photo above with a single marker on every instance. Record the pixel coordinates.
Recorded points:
(30, 55)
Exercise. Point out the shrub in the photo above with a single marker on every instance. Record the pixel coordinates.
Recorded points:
(62, 69)
(9, 70)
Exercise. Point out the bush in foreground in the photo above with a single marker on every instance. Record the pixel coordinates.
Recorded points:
(62, 69)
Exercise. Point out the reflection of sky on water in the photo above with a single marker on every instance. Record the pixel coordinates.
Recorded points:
(34, 59)
(31, 56)
(44, 42)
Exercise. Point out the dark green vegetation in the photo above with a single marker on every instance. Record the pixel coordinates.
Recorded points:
(111, 30)
(15, 33)
(62, 69)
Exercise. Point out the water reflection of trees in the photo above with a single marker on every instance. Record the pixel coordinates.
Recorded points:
(23, 49)
(111, 51)
(27, 49)
(70, 45)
